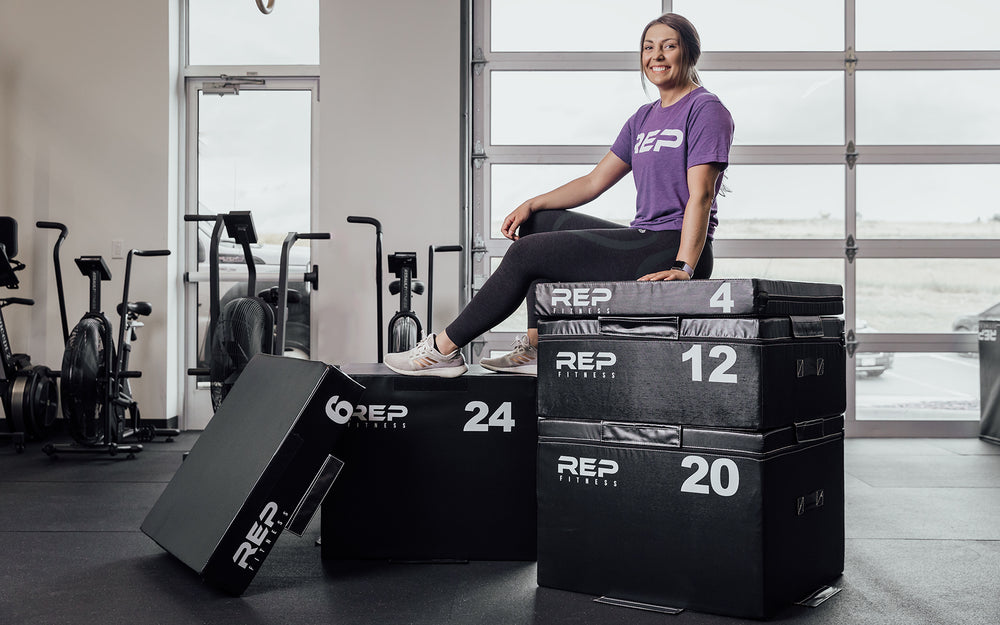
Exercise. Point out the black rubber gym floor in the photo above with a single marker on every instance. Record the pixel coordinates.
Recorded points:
(923, 546)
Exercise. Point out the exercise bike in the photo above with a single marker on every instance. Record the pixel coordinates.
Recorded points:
(405, 330)
(247, 324)
(404, 327)
(94, 380)
(28, 393)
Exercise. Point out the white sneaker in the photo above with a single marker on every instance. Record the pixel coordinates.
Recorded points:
(425, 359)
(524, 359)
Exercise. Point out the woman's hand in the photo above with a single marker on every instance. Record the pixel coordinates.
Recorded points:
(513, 221)
(669, 274)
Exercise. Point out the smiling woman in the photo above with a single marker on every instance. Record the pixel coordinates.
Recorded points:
(675, 147)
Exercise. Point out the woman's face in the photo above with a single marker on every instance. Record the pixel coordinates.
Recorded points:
(662, 57)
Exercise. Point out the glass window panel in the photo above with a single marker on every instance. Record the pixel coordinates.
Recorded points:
(224, 32)
(511, 185)
(266, 172)
(926, 201)
(569, 25)
(894, 107)
(829, 270)
(924, 295)
(562, 108)
(810, 204)
(916, 387)
(766, 25)
(903, 25)
(782, 108)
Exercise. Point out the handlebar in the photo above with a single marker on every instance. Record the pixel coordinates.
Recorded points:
(354, 219)
(199, 217)
(53, 225)
(151, 252)
(16, 300)
(314, 235)
(448, 248)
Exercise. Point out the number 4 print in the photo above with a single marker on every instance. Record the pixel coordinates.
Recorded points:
(723, 298)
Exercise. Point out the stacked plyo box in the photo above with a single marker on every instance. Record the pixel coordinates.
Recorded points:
(691, 442)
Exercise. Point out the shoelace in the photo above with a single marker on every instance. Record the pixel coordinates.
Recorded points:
(521, 344)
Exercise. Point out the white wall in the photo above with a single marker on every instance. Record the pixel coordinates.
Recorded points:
(88, 136)
(85, 139)
(391, 116)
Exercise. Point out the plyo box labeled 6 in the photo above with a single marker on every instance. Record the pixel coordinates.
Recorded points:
(740, 373)
(436, 469)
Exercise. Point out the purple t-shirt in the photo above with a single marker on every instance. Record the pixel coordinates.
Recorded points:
(661, 144)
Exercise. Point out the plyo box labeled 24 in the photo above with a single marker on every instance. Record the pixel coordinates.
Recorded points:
(435, 469)
(734, 523)
(740, 373)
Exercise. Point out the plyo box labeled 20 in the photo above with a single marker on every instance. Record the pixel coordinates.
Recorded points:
(712, 520)
(435, 469)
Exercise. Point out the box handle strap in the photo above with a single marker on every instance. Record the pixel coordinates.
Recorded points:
(666, 328)
(659, 436)
(807, 327)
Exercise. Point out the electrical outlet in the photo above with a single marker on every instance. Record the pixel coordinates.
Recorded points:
(117, 248)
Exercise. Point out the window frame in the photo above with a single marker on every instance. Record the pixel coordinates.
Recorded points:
(482, 62)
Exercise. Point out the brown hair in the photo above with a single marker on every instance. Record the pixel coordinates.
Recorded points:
(690, 42)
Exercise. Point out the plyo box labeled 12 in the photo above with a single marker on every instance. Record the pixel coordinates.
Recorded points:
(261, 466)
(734, 523)
(740, 373)
(435, 469)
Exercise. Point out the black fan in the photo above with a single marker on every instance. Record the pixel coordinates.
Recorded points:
(245, 328)
(84, 380)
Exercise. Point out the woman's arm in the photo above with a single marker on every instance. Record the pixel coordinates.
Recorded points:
(701, 181)
(574, 193)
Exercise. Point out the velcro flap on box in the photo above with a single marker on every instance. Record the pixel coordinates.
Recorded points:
(658, 435)
(642, 327)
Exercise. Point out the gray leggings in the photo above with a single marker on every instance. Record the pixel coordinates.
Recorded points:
(566, 246)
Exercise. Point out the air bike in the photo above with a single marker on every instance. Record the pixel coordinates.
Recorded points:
(28, 395)
(249, 323)
(405, 330)
(97, 402)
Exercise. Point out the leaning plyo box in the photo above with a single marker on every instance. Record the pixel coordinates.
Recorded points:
(435, 469)
(734, 523)
(740, 373)
(729, 297)
(262, 465)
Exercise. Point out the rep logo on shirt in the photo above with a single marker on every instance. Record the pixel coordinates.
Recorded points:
(656, 139)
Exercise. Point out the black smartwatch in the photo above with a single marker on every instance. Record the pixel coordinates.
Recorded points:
(683, 266)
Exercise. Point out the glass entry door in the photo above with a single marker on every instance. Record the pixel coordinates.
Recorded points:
(251, 148)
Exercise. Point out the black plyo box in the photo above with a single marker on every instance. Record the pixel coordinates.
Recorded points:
(435, 469)
(989, 380)
(728, 297)
(262, 465)
(740, 373)
(734, 523)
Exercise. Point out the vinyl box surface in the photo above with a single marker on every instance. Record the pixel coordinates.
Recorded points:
(726, 522)
(436, 469)
(740, 373)
(261, 466)
(730, 297)
(989, 380)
